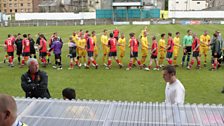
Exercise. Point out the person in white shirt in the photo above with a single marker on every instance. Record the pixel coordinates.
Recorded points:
(174, 92)
(8, 111)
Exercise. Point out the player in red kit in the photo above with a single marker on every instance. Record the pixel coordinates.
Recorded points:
(25, 49)
(86, 35)
(116, 33)
(196, 50)
(90, 50)
(154, 53)
(112, 44)
(43, 50)
(169, 48)
(10, 47)
(133, 51)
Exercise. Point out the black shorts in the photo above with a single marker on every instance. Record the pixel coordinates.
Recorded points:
(135, 54)
(112, 54)
(169, 55)
(154, 56)
(188, 50)
(26, 54)
(195, 53)
(18, 52)
(43, 54)
(116, 38)
(90, 53)
(72, 52)
(216, 56)
(10, 53)
(32, 51)
(57, 56)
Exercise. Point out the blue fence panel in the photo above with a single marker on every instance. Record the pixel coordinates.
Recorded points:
(132, 13)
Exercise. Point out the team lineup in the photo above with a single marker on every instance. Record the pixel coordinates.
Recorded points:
(84, 49)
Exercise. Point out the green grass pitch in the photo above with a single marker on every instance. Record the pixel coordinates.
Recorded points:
(202, 86)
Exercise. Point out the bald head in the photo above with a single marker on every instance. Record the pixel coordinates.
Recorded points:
(7, 102)
(8, 110)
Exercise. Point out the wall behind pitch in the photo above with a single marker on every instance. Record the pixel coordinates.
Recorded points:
(196, 14)
(55, 16)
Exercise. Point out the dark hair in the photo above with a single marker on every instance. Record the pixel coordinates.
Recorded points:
(169, 34)
(131, 34)
(162, 35)
(177, 33)
(69, 93)
(104, 30)
(93, 32)
(170, 69)
(153, 37)
(215, 35)
(188, 30)
(18, 34)
(87, 31)
(9, 35)
(111, 35)
(25, 35)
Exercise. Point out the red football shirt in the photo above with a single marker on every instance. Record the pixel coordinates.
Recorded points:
(26, 45)
(154, 46)
(134, 44)
(90, 45)
(112, 44)
(195, 43)
(9, 44)
(43, 45)
(116, 33)
(171, 44)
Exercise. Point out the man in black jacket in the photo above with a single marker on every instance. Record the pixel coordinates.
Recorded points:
(35, 82)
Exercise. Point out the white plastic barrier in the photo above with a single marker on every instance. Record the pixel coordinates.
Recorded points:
(141, 22)
(122, 23)
(55, 16)
(196, 14)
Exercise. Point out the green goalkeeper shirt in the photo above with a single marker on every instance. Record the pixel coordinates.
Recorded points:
(187, 40)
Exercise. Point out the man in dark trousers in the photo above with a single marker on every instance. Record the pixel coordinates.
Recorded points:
(35, 82)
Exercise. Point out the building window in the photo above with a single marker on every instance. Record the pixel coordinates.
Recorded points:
(5, 10)
(15, 5)
(21, 4)
(15, 10)
(10, 5)
(28, 4)
(11, 10)
(0, 10)
(4, 5)
(21, 10)
(177, 2)
(198, 2)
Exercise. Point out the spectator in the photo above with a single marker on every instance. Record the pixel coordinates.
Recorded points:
(8, 111)
(35, 82)
(69, 93)
(175, 92)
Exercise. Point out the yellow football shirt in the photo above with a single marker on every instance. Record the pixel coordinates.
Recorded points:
(162, 45)
(104, 40)
(204, 39)
(144, 42)
(176, 41)
(82, 43)
(123, 43)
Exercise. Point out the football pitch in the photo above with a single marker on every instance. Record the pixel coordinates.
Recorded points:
(202, 86)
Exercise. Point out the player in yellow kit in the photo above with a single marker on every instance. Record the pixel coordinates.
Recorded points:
(204, 46)
(162, 50)
(96, 49)
(104, 41)
(177, 45)
(122, 45)
(145, 48)
(82, 50)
